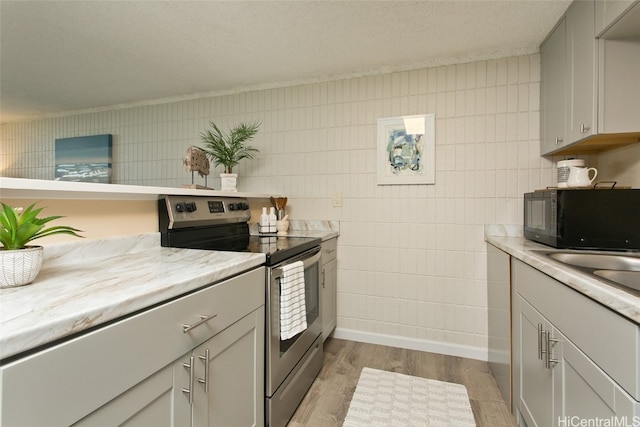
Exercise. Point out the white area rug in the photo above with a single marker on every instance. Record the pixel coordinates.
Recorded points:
(390, 399)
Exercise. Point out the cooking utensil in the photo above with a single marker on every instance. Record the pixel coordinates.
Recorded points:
(274, 203)
(282, 202)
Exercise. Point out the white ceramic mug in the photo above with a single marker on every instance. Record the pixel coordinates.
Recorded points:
(579, 177)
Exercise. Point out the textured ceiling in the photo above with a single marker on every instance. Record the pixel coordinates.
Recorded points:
(63, 56)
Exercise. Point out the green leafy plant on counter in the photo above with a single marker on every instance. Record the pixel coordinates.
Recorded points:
(228, 149)
(20, 226)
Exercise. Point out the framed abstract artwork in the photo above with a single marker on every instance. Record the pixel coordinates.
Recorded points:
(406, 150)
(84, 159)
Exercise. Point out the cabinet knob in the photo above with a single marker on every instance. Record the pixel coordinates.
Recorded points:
(558, 140)
(584, 128)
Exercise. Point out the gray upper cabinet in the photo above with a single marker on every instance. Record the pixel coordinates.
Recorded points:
(552, 89)
(610, 12)
(588, 89)
(568, 85)
(581, 61)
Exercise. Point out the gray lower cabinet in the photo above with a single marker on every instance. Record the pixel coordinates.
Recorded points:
(536, 381)
(574, 360)
(499, 319)
(329, 286)
(217, 384)
(147, 370)
(153, 402)
(228, 386)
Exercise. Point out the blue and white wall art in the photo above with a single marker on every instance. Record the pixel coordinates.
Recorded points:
(406, 150)
(84, 159)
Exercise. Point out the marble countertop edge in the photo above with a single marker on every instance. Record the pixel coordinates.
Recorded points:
(67, 298)
(532, 253)
(325, 230)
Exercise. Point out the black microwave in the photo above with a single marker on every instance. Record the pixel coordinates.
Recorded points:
(598, 219)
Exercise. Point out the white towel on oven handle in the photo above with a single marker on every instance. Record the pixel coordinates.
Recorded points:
(293, 310)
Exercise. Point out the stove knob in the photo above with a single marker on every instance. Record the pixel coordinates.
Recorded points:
(232, 206)
(191, 207)
(244, 205)
(181, 207)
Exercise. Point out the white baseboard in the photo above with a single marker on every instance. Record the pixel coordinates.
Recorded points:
(413, 344)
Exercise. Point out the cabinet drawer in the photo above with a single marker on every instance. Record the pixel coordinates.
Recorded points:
(610, 340)
(329, 250)
(75, 377)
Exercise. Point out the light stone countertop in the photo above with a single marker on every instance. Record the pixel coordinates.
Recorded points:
(86, 283)
(325, 230)
(624, 303)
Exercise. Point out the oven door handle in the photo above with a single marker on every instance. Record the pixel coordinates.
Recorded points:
(307, 262)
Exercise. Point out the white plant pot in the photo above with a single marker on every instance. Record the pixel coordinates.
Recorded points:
(21, 266)
(228, 181)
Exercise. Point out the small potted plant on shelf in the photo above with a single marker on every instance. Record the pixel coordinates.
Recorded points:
(227, 149)
(19, 263)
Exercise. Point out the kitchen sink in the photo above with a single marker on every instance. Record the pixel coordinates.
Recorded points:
(619, 270)
(598, 261)
(628, 279)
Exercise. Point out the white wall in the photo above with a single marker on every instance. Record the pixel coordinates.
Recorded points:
(411, 258)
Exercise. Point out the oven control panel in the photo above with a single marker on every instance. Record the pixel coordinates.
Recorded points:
(191, 211)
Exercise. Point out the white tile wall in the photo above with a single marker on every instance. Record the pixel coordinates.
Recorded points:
(411, 258)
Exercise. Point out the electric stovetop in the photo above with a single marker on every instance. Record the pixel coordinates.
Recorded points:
(220, 223)
(280, 248)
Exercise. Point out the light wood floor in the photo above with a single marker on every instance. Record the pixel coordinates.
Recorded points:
(327, 401)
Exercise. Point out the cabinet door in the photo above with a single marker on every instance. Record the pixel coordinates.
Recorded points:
(329, 297)
(619, 85)
(229, 376)
(552, 90)
(149, 403)
(587, 391)
(536, 381)
(608, 11)
(581, 50)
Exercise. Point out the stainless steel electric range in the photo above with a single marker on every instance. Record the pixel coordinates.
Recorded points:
(221, 223)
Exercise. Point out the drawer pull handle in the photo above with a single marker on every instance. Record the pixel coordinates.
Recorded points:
(187, 328)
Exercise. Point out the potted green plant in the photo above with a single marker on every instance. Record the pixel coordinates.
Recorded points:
(227, 149)
(19, 262)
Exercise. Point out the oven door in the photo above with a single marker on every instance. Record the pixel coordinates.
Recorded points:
(283, 355)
